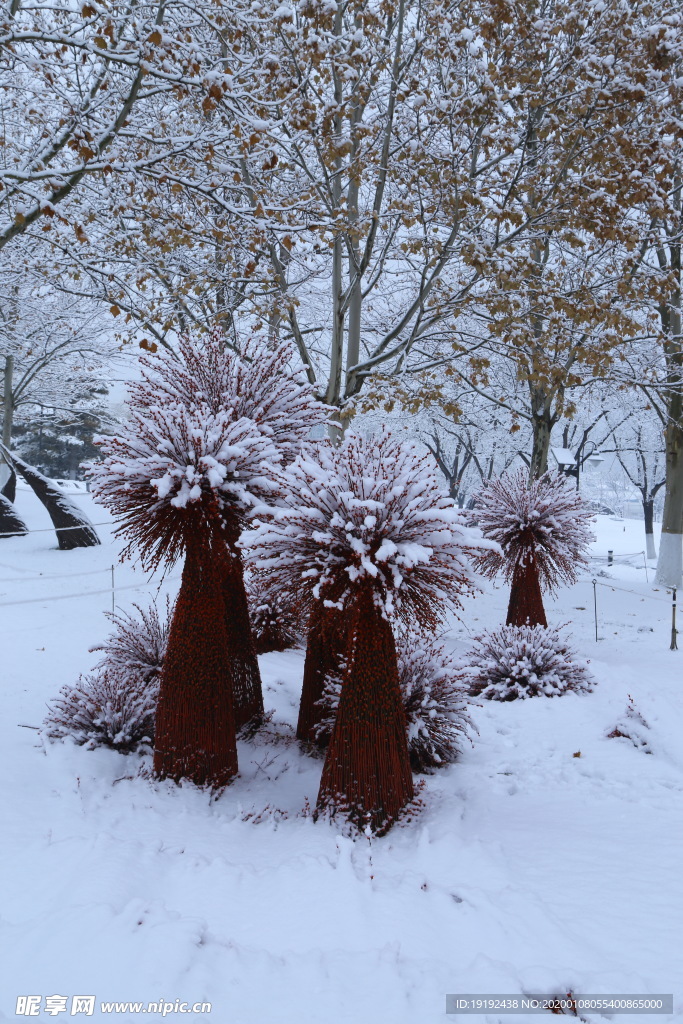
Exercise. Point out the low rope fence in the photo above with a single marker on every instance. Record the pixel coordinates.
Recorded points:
(112, 589)
(53, 529)
(623, 558)
(650, 597)
(46, 575)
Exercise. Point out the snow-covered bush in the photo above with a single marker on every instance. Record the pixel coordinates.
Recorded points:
(256, 383)
(543, 530)
(172, 471)
(434, 701)
(115, 705)
(365, 530)
(138, 643)
(276, 621)
(524, 661)
(105, 709)
(204, 434)
(632, 726)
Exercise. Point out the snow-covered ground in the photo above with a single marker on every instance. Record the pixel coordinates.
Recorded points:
(547, 860)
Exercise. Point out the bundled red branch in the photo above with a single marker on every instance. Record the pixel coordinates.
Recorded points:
(206, 435)
(435, 702)
(543, 529)
(365, 532)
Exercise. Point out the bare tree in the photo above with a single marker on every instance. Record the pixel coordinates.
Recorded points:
(640, 450)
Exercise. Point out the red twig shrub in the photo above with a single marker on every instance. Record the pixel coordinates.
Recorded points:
(115, 704)
(195, 726)
(366, 529)
(515, 662)
(105, 709)
(205, 434)
(543, 529)
(366, 775)
(275, 619)
(256, 386)
(137, 646)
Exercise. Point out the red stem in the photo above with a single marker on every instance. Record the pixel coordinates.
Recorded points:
(526, 601)
(367, 768)
(195, 726)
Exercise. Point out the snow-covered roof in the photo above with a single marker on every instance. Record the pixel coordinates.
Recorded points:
(563, 456)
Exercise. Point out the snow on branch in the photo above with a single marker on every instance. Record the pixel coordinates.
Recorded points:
(516, 662)
(369, 512)
(205, 434)
(544, 520)
(256, 383)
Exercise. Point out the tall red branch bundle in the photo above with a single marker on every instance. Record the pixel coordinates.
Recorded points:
(206, 434)
(543, 529)
(365, 532)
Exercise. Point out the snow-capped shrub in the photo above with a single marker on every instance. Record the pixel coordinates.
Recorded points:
(172, 471)
(115, 705)
(524, 661)
(276, 621)
(545, 518)
(543, 530)
(105, 709)
(256, 383)
(632, 726)
(138, 643)
(206, 433)
(370, 512)
(434, 702)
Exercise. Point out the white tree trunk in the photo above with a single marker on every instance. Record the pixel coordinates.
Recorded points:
(670, 563)
(671, 543)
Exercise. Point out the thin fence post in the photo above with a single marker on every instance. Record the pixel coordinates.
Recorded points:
(674, 631)
(113, 589)
(647, 578)
(595, 608)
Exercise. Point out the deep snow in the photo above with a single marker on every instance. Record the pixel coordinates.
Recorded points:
(528, 868)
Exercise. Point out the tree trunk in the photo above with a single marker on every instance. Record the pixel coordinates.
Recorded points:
(9, 487)
(333, 395)
(73, 528)
(649, 516)
(240, 646)
(670, 561)
(542, 428)
(8, 402)
(11, 523)
(195, 726)
(325, 651)
(7, 421)
(526, 602)
(367, 773)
